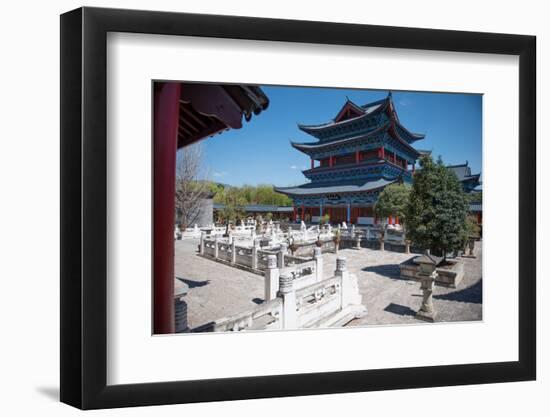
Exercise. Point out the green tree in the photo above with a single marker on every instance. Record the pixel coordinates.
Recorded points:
(233, 200)
(437, 209)
(393, 201)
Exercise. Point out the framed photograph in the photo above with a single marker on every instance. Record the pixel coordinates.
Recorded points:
(256, 208)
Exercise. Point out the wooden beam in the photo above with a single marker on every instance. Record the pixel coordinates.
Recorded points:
(189, 113)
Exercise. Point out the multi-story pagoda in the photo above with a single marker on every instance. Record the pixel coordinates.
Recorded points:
(364, 149)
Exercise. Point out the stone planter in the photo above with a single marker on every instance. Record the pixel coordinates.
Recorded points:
(448, 275)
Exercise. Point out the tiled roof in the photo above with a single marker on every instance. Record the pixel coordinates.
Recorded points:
(347, 187)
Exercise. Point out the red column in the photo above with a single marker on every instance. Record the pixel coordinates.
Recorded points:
(294, 213)
(356, 157)
(382, 153)
(330, 161)
(390, 220)
(166, 120)
(303, 213)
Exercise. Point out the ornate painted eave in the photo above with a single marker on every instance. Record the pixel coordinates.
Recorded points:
(209, 109)
(311, 146)
(413, 136)
(368, 110)
(307, 148)
(323, 189)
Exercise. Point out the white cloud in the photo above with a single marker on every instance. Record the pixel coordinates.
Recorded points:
(293, 167)
(219, 174)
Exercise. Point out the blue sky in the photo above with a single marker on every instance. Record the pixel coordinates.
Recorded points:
(260, 152)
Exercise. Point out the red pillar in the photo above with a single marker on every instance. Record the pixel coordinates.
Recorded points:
(356, 157)
(382, 153)
(166, 120)
(390, 220)
(303, 213)
(330, 161)
(294, 213)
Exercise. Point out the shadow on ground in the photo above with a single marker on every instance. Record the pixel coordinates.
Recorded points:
(388, 270)
(50, 392)
(471, 294)
(400, 310)
(193, 284)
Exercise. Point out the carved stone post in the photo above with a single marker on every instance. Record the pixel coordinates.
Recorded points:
(281, 255)
(382, 243)
(318, 257)
(368, 233)
(201, 245)
(428, 274)
(271, 281)
(341, 266)
(216, 249)
(407, 246)
(427, 312)
(358, 241)
(349, 288)
(255, 255)
(233, 252)
(286, 291)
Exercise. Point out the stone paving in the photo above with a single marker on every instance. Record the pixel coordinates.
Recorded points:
(217, 290)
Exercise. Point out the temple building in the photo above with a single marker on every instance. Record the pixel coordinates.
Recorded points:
(464, 174)
(362, 150)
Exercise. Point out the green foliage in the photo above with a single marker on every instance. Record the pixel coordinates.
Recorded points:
(325, 219)
(248, 194)
(475, 197)
(230, 214)
(437, 209)
(393, 201)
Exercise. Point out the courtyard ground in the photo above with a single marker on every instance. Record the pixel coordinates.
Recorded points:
(217, 290)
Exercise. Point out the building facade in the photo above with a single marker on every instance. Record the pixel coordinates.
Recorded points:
(361, 151)
(464, 174)
(264, 210)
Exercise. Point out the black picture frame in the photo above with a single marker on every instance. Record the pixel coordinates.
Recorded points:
(84, 207)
